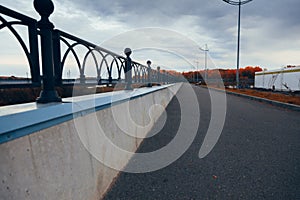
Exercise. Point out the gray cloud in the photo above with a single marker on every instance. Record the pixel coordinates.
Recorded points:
(269, 28)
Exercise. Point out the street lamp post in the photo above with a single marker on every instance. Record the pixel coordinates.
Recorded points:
(238, 3)
(205, 68)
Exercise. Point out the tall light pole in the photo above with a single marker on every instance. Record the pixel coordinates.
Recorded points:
(205, 68)
(238, 3)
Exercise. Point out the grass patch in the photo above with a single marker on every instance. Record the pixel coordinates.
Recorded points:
(275, 96)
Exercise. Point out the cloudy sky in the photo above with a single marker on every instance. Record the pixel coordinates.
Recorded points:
(170, 32)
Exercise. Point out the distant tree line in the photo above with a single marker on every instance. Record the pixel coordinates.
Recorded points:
(228, 75)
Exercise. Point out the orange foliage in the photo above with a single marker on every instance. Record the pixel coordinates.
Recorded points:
(228, 75)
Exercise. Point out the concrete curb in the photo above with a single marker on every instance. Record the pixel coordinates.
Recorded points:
(268, 101)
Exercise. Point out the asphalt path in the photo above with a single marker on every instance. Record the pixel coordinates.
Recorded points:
(256, 157)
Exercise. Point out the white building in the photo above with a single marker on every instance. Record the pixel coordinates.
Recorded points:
(286, 79)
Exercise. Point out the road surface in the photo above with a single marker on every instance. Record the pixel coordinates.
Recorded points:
(257, 157)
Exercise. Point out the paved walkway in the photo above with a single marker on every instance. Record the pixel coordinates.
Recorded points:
(256, 157)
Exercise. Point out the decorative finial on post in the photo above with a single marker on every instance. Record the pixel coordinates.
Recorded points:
(128, 67)
(127, 52)
(149, 73)
(48, 94)
(44, 7)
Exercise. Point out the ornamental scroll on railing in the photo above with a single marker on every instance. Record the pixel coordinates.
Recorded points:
(53, 58)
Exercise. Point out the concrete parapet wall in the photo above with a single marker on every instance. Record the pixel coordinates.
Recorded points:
(54, 162)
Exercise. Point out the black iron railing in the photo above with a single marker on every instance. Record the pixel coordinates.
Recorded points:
(53, 60)
(31, 53)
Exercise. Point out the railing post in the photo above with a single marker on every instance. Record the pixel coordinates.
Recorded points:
(48, 94)
(34, 54)
(158, 74)
(110, 79)
(136, 74)
(128, 69)
(99, 80)
(149, 73)
(82, 76)
(139, 73)
(57, 58)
